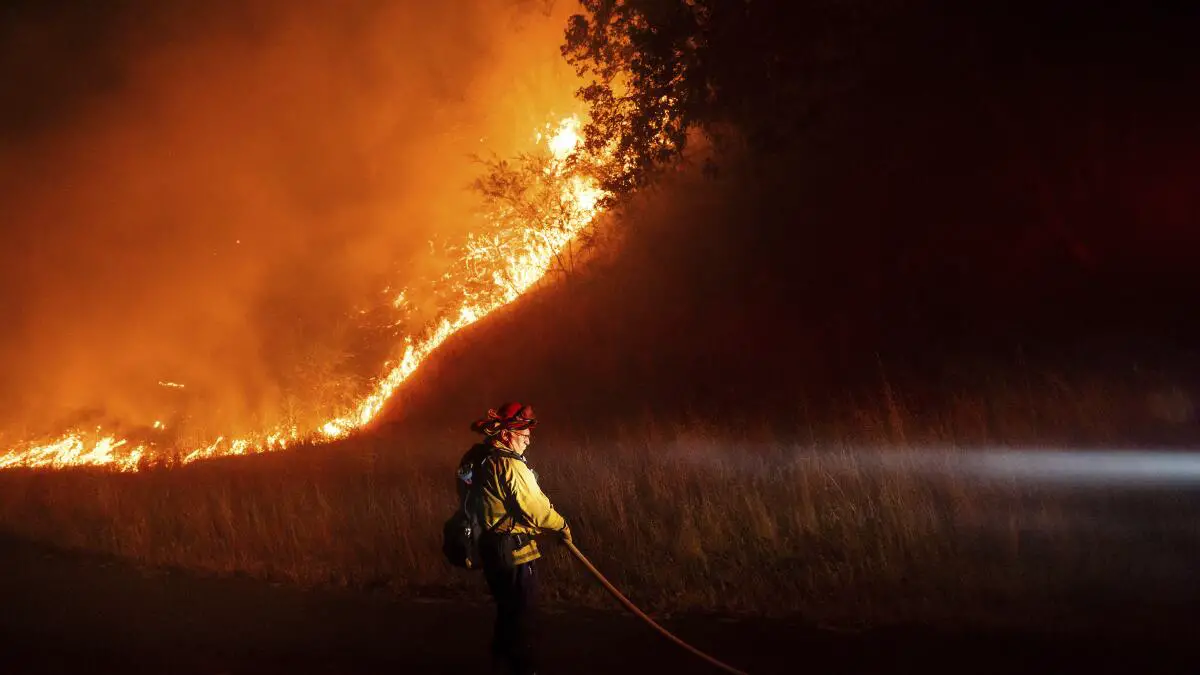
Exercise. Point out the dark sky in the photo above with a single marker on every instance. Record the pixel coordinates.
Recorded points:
(208, 192)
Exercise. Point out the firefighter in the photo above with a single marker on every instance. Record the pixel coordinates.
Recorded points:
(512, 510)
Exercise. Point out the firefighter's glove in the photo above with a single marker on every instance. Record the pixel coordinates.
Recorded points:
(565, 534)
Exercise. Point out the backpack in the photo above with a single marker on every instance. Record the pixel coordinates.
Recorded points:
(460, 540)
(462, 530)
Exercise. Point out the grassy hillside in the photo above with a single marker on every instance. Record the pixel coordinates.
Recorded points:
(957, 216)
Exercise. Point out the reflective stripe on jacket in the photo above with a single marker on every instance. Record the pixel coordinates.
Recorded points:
(508, 487)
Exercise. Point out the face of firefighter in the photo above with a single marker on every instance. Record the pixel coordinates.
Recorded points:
(518, 441)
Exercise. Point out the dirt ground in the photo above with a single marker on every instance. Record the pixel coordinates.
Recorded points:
(70, 613)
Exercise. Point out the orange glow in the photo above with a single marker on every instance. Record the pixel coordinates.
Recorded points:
(510, 273)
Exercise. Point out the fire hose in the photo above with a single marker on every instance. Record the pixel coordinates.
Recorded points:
(642, 615)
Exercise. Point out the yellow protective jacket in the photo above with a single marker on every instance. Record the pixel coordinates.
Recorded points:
(511, 502)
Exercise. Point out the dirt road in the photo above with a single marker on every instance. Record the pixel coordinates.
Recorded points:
(67, 613)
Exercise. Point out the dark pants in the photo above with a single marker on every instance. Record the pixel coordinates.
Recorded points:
(515, 592)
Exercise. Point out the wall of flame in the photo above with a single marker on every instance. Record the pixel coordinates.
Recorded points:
(511, 271)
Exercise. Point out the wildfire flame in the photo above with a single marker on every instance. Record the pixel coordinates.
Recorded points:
(508, 276)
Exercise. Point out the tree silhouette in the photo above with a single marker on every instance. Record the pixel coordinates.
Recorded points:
(760, 70)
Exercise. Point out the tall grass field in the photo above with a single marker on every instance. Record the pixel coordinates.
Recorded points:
(884, 517)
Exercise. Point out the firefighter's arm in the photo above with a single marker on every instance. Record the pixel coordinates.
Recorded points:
(534, 504)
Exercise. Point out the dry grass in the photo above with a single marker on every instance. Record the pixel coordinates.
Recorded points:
(684, 517)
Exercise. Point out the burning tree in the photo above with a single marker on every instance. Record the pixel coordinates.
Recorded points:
(533, 188)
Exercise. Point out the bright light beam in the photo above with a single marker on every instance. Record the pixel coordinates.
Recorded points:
(1090, 467)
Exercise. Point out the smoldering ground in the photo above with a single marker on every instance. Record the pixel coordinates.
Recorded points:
(229, 195)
